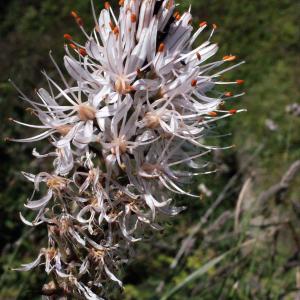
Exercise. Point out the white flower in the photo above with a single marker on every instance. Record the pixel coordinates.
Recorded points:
(128, 134)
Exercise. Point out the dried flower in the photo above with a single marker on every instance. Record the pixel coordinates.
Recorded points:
(140, 108)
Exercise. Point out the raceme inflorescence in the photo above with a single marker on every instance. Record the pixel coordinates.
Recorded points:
(127, 132)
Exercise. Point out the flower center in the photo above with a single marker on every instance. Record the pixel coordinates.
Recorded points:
(121, 143)
(86, 112)
(56, 183)
(152, 120)
(121, 85)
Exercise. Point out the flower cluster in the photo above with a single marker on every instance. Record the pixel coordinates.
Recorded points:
(128, 133)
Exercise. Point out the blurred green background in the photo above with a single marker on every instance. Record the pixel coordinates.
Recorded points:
(249, 245)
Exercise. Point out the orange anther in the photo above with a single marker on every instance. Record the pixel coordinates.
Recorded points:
(240, 81)
(194, 82)
(161, 47)
(232, 111)
(121, 2)
(178, 17)
(212, 114)
(67, 36)
(72, 46)
(82, 52)
(215, 26)
(202, 24)
(176, 13)
(133, 18)
(74, 14)
(198, 56)
(229, 58)
(228, 94)
(116, 30)
(107, 5)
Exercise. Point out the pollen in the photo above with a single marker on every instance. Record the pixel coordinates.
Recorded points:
(194, 82)
(73, 46)
(82, 52)
(232, 111)
(68, 36)
(74, 14)
(116, 31)
(133, 18)
(213, 114)
(86, 112)
(228, 94)
(161, 47)
(240, 81)
(176, 14)
(229, 58)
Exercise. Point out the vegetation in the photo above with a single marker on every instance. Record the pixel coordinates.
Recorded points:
(249, 246)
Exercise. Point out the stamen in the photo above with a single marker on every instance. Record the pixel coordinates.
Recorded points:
(73, 46)
(176, 13)
(121, 2)
(133, 18)
(215, 26)
(107, 5)
(74, 14)
(228, 94)
(202, 24)
(198, 56)
(240, 81)
(212, 114)
(68, 36)
(229, 58)
(232, 111)
(161, 47)
(82, 52)
(116, 31)
(194, 82)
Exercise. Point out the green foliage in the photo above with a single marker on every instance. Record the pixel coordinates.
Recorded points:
(265, 34)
